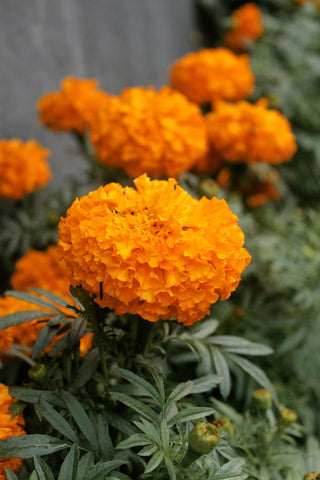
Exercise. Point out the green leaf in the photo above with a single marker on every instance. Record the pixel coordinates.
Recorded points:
(105, 443)
(120, 423)
(164, 434)
(27, 446)
(223, 371)
(22, 317)
(51, 296)
(46, 334)
(99, 471)
(34, 396)
(150, 430)
(85, 465)
(140, 382)
(191, 413)
(43, 470)
(30, 298)
(148, 450)
(313, 454)
(57, 421)
(10, 475)
(88, 367)
(69, 467)
(136, 440)
(240, 345)
(256, 373)
(205, 383)
(82, 419)
(231, 470)
(154, 461)
(206, 329)
(136, 405)
(170, 468)
(180, 391)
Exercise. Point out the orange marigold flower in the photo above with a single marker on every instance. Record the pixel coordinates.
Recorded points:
(242, 132)
(9, 427)
(41, 269)
(144, 131)
(154, 251)
(72, 108)
(23, 168)
(213, 74)
(247, 26)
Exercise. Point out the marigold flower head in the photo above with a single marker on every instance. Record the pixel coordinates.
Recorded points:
(247, 26)
(213, 74)
(9, 427)
(145, 131)
(153, 251)
(243, 132)
(73, 107)
(23, 168)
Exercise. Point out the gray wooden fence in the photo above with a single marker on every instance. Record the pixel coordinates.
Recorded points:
(119, 42)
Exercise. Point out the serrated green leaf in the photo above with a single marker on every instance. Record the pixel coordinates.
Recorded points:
(164, 434)
(223, 371)
(136, 440)
(22, 317)
(256, 373)
(170, 468)
(180, 391)
(30, 298)
(51, 296)
(150, 430)
(57, 421)
(34, 396)
(27, 446)
(85, 464)
(105, 444)
(136, 405)
(43, 470)
(81, 418)
(102, 469)
(139, 382)
(120, 423)
(231, 470)
(10, 475)
(46, 334)
(154, 461)
(206, 329)
(148, 450)
(191, 413)
(88, 367)
(205, 383)
(69, 467)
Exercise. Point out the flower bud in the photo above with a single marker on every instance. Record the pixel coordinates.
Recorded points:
(209, 188)
(225, 425)
(262, 399)
(312, 476)
(202, 440)
(37, 372)
(287, 417)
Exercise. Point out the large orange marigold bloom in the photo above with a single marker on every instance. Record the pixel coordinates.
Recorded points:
(73, 107)
(23, 168)
(243, 132)
(212, 74)
(145, 131)
(9, 427)
(247, 26)
(154, 250)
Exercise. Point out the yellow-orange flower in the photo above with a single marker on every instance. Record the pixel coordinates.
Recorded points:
(247, 26)
(213, 74)
(9, 427)
(23, 168)
(145, 131)
(154, 250)
(73, 107)
(243, 132)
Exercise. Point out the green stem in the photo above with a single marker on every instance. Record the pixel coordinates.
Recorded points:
(98, 335)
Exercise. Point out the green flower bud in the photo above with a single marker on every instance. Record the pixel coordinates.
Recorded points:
(225, 425)
(202, 440)
(209, 188)
(262, 399)
(287, 417)
(37, 372)
(312, 476)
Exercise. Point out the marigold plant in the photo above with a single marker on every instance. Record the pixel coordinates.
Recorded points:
(243, 132)
(154, 251)
(247, 26)
(23, 168)
(9, 427)
(73, 107)
(145, 131)
(212, 74)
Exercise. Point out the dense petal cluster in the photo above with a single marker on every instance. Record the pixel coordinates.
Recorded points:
(73, 107)
(243, 132)
(213, 74)
(154, 250)
(23, 168)
(9, 427)
(247, 26)
(145, 131)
